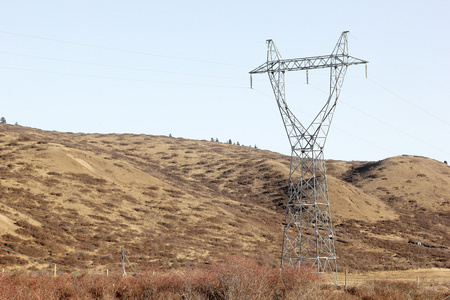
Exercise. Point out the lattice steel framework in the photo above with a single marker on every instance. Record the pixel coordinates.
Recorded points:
(308, 237)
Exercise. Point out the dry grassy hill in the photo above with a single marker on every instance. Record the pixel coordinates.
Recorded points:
(77, 199)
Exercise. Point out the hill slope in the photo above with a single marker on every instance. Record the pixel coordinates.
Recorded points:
(77, 199)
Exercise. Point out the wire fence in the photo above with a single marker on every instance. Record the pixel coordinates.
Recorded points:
(60, 269)
(430, 277)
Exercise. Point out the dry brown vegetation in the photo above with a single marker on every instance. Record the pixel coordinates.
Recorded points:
(232, 278)
(77, 199)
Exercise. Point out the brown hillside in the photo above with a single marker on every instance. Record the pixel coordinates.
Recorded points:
(77, 199)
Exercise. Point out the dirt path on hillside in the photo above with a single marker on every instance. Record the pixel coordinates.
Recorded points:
(91, 168)
(6, 225)
(433, 276)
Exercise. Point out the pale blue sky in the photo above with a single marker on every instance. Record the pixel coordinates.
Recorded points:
(181, 68)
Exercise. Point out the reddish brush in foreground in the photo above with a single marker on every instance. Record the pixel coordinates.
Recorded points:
(233, 278)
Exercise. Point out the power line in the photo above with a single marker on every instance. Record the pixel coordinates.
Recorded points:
(397, 61)
(376, 119)
(364, 140)
(119, 49)
(116, 66)
(118, 78)
(400, 97)
(409, 102)
(339, 129)
(181, 73)
(375, 47)
(348, 133)
(401, 131)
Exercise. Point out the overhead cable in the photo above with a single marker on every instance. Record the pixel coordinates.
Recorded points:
(118, 78)
(115, 66)
(409, 102)
(399, 130)
(119, 49)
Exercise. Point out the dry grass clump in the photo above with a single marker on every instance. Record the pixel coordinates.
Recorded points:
(391, 290)
(232, 278)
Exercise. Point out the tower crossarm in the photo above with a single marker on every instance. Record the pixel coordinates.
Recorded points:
(308, 63)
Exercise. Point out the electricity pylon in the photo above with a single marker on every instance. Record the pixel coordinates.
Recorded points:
(308, 237)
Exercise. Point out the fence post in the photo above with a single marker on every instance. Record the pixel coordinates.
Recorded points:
(123, 264)
(345, 282)
(54, 271)
(418, 281)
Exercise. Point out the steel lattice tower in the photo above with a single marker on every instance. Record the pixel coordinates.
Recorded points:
(308, 237)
